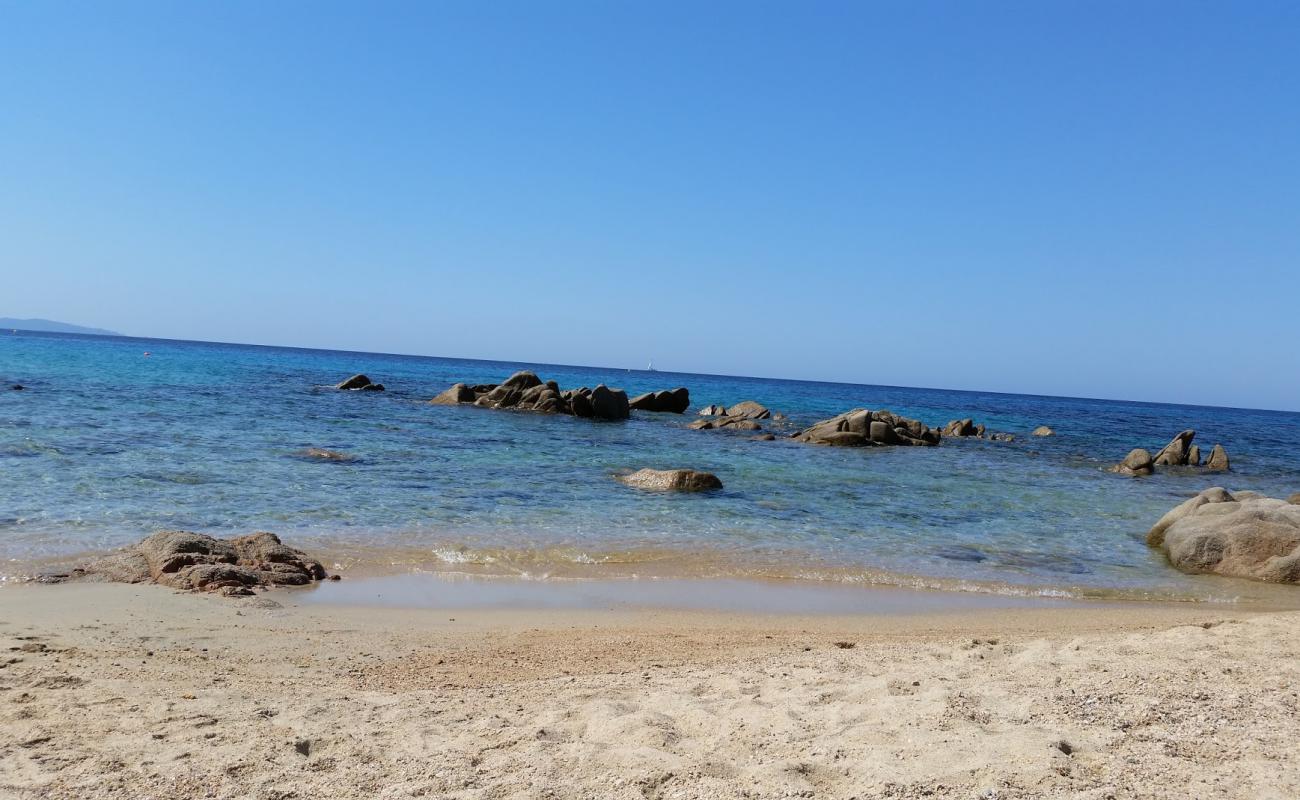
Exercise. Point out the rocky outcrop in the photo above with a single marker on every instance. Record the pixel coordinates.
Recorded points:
(197, 562)
(524, 391)
(361, 383)
(1180, 452)
(1218, 460)
(963, 427)
(865, 428)
(1043, 430)
(1243, 535)
(713, 411)
(1175, 453)
(678, 480)
(675, 401)
(1137, 462)
(748, 409)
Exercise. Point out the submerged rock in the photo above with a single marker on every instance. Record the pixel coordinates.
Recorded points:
(1244, 535)
(524, 391)
(197, 562)
(360, 382)
(1043, 430)
(322, 454)
(670, 402)
(679, 480)
(864, 428)
(1137, 462)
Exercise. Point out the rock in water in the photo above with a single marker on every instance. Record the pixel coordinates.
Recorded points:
(197, 562)
(671, 402)
(1137, 462)
(1218, 460)
(713, 411)
(1174, 454)
(864, 428)
(748, 409)
(1043, 430)
(524, 391)
(679, 480)
(360, 381)
(1194, 456)
(1245, 536)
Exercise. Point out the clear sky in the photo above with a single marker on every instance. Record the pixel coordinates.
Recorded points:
(1083, 198)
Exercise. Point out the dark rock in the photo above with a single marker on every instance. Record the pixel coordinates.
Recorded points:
(681, 480)
(1244, 535)
(607, 403)
(1218, 460)
(1137, 462)
(1174, 454)
(17, 387)
(1002, 437)
(360, 382)
(862, 427)
(766, 437)
(197, 562)
(672, 402)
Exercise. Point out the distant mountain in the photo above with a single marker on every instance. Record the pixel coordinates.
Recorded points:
(50, 326)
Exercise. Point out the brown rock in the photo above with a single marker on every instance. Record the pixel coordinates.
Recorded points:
(1043, 430)
(194, 561)
(1241, 536)
(861, 428)
(1218, 460)
(679, 480)
(458, 393)
(671, 402)
(1137, 462)
(748, 409)
(713, 411)
(1175, 453)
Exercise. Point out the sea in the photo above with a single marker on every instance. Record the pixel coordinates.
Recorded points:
(114, 438)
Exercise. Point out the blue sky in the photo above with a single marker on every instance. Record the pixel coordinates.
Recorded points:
(1098, 199)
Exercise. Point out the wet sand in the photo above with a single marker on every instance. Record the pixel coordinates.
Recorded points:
(136, 691)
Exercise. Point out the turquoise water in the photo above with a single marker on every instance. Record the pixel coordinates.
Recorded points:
(107, 445)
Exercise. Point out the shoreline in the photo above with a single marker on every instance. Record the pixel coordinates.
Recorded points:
(117, 691)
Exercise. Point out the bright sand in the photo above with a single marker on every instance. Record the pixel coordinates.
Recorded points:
(138, 692)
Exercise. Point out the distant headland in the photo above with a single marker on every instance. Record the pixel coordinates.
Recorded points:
(50, 326)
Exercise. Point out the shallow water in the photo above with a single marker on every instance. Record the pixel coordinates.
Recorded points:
(107, 445)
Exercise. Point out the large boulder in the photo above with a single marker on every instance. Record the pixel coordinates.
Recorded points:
(607, 403)
(675, 401)
(197, 562)
(748, 409)
(458, 393)
(1175, 453)
(864, 428)
(1137, 462)
(1218, 460)
(361, 382)
(1244, 535)
(680, 480)
(963, 427)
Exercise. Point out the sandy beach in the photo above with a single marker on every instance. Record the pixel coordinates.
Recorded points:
(121, 691)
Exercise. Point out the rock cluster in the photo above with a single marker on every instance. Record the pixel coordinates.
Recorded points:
(524, 391)
(863, 428)
(1242, 534)
(196, 562)
(360, 382)
(1180, 452)
(675, 401)
(679, 480)
(743, 416)
(963, 427)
